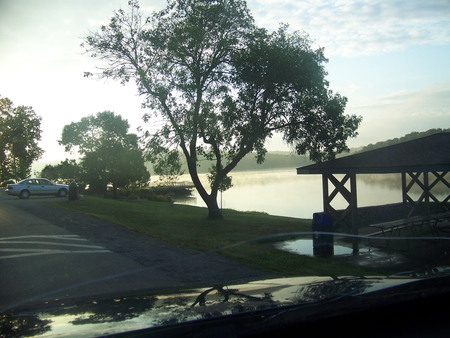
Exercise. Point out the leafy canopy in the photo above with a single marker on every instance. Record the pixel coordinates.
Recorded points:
(217, 86)
(66, 171)
(168, 166)
(110, 153)
(20, 132)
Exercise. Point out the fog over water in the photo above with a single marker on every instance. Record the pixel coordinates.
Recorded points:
(284, 193)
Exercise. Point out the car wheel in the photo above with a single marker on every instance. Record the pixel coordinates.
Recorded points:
(24, 194)
(62, 193)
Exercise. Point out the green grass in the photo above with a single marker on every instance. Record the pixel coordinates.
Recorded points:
(233, 237)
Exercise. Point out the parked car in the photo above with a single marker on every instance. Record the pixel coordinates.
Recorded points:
(36, 186)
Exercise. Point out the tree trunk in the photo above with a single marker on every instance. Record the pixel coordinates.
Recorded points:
(105, 185)
(209, 199)
(214, 211)
(114, 191)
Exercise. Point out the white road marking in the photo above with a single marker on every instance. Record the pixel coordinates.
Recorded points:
(36, 252)
(47, 252)
(52, 243)
(68, 237)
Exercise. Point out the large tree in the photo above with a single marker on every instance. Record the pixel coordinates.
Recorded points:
(221, 85)
(110, 153)
(20, 132)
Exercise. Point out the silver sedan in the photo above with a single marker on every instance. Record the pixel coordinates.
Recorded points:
(36, 186)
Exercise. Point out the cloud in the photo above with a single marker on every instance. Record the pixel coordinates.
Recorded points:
(352, 28)
(403, 112)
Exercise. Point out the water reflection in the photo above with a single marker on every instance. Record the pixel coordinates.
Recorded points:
(119, 314)
(23, 326)
(284, 193)
(305, 247)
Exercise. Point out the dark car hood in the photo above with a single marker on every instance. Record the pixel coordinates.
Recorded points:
(90, 317)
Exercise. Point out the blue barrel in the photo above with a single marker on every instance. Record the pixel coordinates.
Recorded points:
(322, 243)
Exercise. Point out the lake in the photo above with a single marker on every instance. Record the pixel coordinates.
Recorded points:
(284, 193)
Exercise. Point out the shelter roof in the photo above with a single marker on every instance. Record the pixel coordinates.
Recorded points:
(426, 154)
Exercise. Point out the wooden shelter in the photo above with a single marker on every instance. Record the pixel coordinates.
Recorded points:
(422, 162)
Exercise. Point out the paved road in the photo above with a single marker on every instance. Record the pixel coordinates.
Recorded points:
(48, 253)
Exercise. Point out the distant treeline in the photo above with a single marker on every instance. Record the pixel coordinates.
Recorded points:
(408, 137)
(287, 160)
(273, 160)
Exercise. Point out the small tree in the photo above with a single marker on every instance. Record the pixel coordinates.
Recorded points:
(20, 132)
(110, 153)
(223, 86)
(66, 172)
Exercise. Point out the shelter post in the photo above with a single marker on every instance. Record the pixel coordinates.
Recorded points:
(428, 202)
(347, 219)
(354, 207)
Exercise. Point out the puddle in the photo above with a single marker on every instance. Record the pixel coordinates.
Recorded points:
(367, 256)
(305, 247)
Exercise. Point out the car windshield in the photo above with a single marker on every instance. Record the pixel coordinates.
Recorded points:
(216, 158)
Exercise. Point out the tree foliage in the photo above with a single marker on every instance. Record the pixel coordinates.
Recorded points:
(222, 86)
(110, 153)
(168, 167)
(226, 182)
(20, 132)
(65, 172)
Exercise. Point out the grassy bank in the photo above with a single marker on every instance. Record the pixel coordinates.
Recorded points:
(233, 237)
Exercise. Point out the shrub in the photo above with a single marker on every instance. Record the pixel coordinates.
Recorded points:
(160, 198)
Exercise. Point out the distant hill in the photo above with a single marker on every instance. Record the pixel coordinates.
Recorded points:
(273, 161)
(37, 167)
(408, 137)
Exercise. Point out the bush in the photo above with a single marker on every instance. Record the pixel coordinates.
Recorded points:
(5, 183)
(160, 198)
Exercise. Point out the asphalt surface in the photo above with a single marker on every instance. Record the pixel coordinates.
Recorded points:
(48, 253)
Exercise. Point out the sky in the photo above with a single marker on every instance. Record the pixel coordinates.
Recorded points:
(390, 58)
